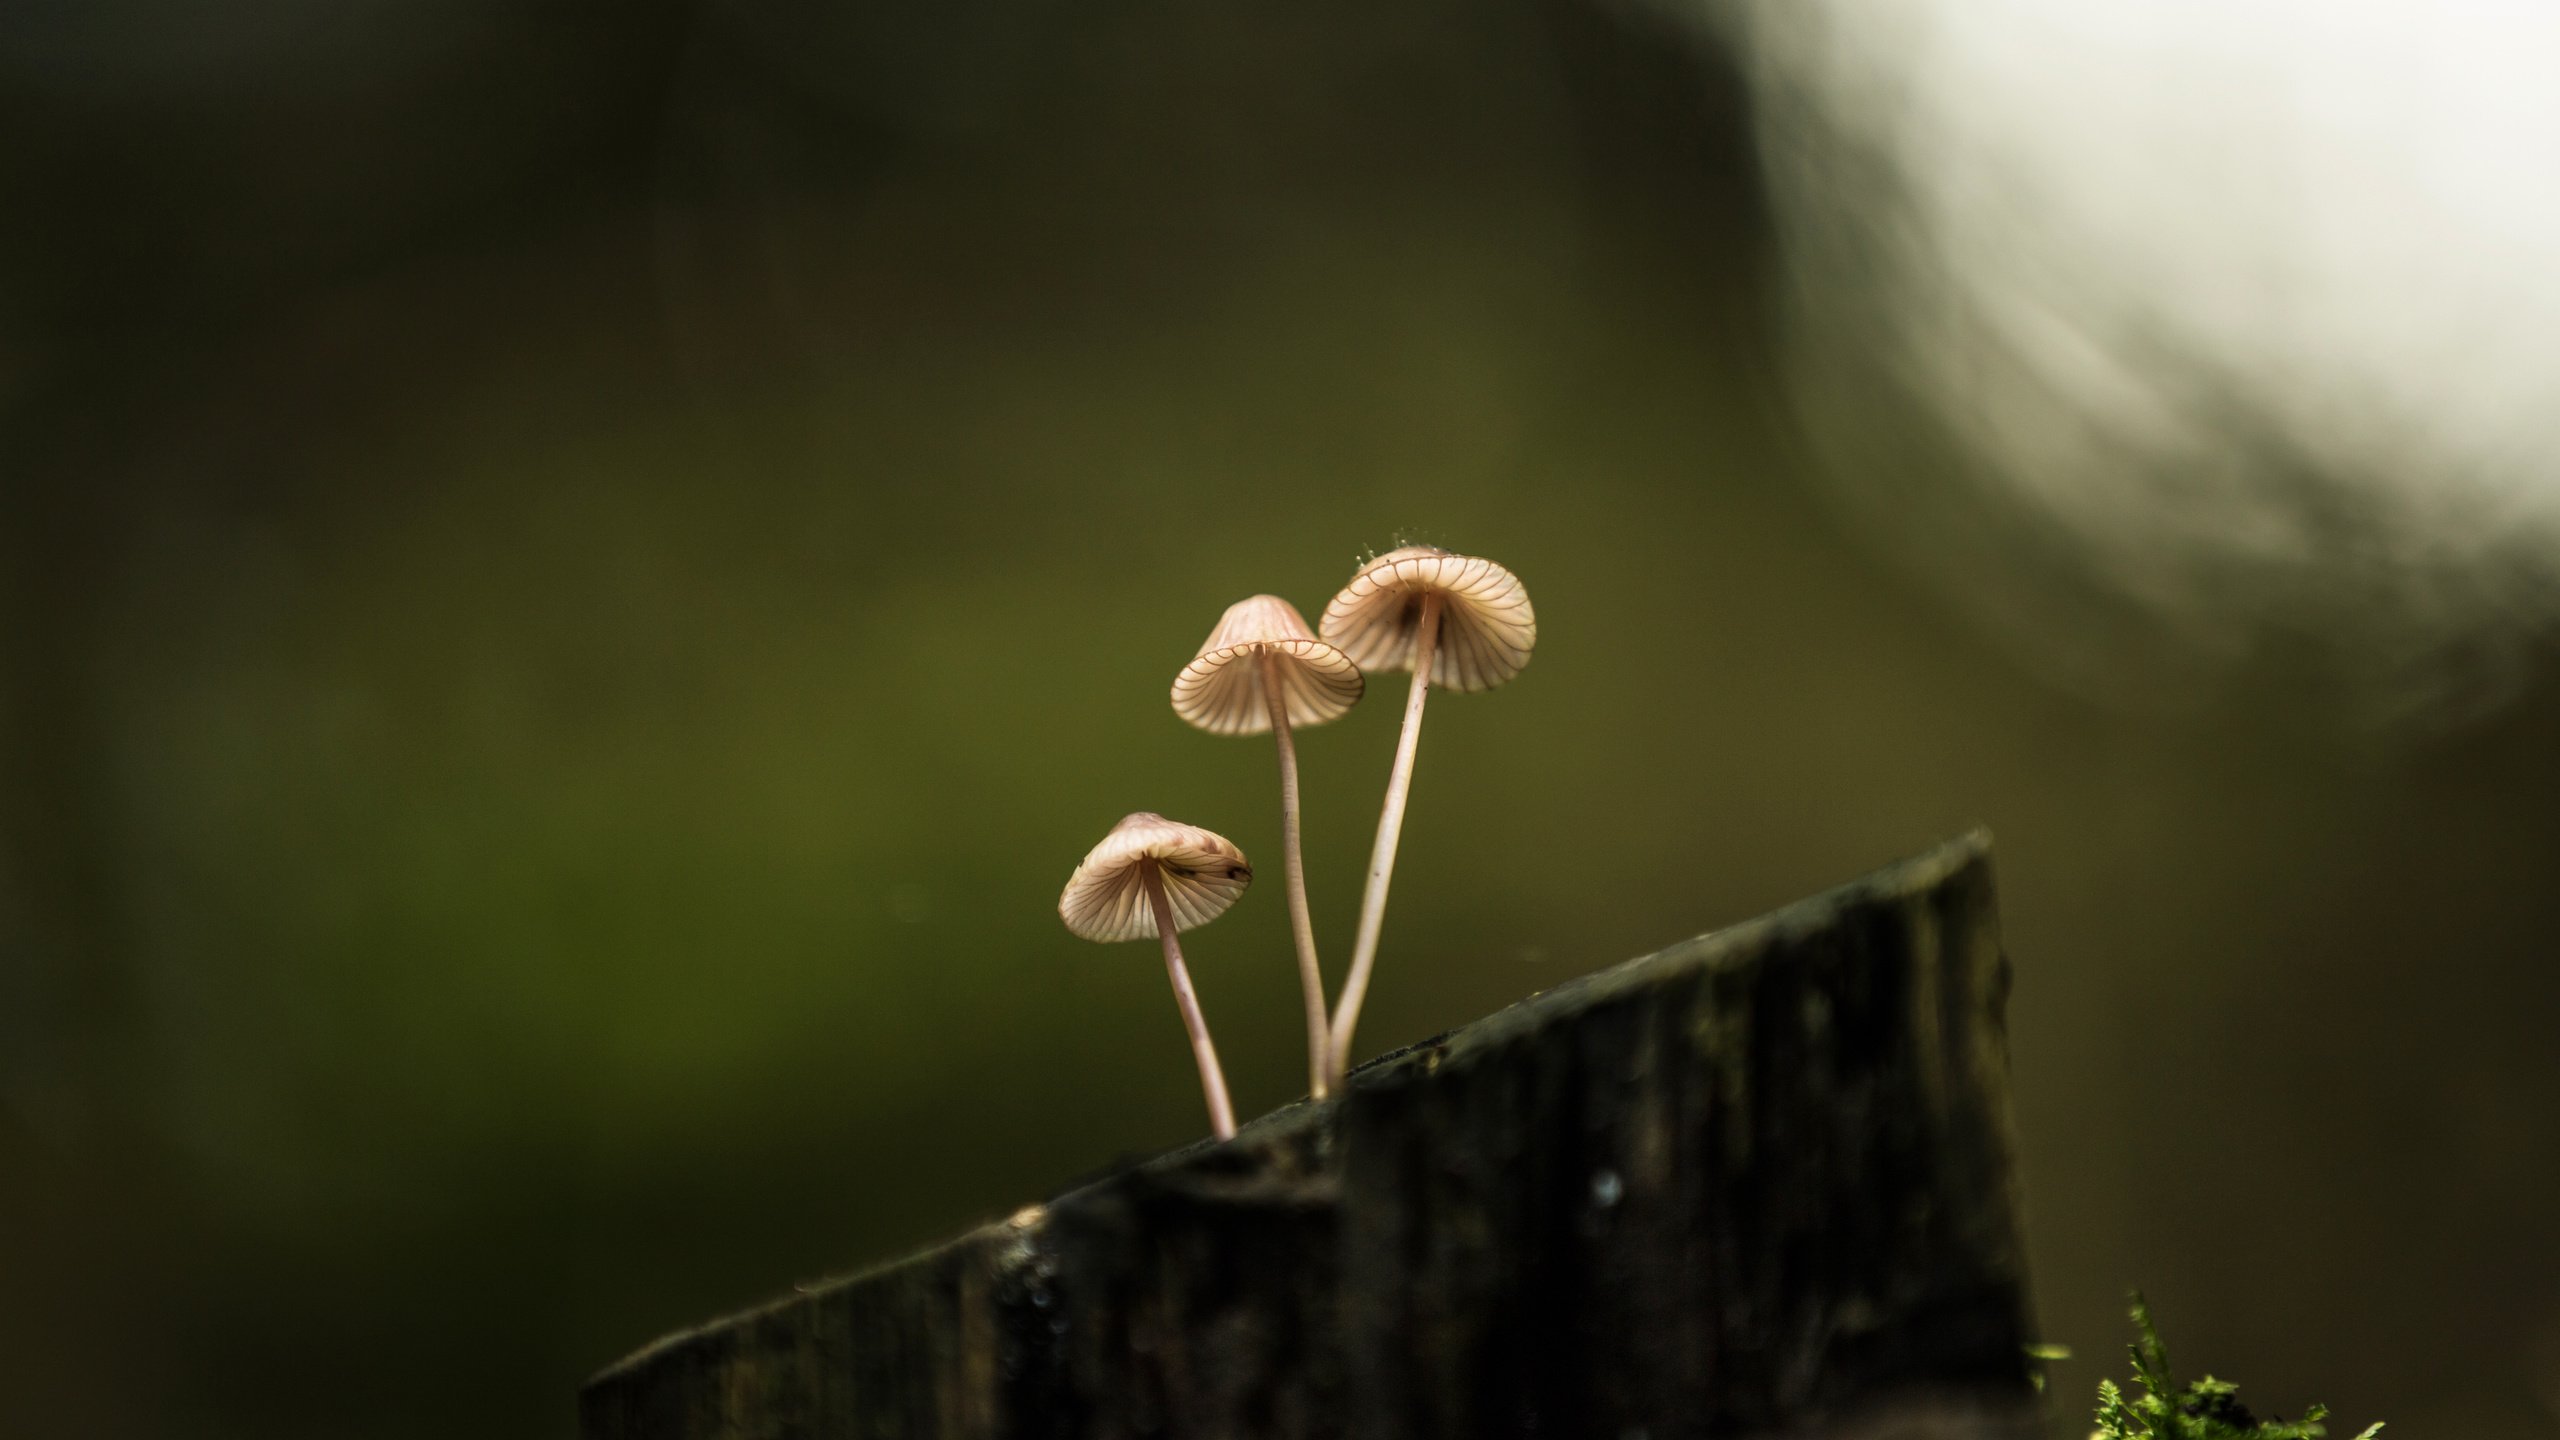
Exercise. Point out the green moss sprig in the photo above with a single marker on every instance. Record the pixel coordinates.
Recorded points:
(2207, 1409)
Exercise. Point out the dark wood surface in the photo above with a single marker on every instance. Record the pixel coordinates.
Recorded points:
(1759, 1182)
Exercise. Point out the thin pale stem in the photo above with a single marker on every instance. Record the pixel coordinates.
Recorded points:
(1213, 1081)
(1310, 975)
(1382, 856)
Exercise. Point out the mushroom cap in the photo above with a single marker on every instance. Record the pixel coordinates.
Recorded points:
(1221, 689)
(1487, 625)
(1106, 899)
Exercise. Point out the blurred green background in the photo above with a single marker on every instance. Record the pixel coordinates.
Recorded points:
(577, 577)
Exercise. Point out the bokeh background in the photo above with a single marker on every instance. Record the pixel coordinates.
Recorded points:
(573, 579)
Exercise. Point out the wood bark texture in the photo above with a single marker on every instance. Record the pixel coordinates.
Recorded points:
(1758, 1183)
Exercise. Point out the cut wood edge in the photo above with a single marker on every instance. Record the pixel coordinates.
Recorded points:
(1296, 1142)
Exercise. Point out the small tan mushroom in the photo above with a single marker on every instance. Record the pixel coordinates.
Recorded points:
(1153, 875)
(1263, 669)
(1464, 621)
(1485, 624)
(1225, 697)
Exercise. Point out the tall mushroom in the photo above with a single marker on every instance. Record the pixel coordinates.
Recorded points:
(1156, 875)
(1263, 669)
(1464, 621)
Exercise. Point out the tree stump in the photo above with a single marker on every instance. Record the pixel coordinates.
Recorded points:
(1759, 1182)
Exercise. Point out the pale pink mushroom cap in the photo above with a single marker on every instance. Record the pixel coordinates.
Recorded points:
(1221, 689)
(1106, 899)
(1487, 626)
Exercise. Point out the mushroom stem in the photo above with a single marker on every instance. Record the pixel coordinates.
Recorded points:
(1310, 975)
(1213, 1081)
(1382, 856)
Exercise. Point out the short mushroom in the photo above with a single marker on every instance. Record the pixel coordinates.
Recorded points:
(1463, 621)
(1263, 669)
(1154, 874)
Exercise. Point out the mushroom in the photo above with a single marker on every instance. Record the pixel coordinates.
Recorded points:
(1154, 874)
(1263, 669)
(1463, 621)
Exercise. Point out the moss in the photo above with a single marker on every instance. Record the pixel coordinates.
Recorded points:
(2207, 1409)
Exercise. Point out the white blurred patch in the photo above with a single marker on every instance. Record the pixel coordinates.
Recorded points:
(2245, 312)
